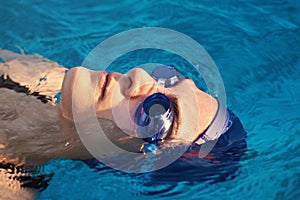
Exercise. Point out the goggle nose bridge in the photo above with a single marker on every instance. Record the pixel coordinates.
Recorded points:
(159, 126)
(168, 76)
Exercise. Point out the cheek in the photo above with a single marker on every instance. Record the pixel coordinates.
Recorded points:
(123, 114)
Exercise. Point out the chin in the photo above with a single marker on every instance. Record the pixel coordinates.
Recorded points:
(67, 93)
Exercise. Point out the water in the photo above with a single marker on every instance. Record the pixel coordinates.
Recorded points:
(255, 45)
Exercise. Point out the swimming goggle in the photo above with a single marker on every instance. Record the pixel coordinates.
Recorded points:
(155, 115)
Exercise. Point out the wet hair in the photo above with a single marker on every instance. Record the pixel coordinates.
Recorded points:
(28, 177)
(10, 84)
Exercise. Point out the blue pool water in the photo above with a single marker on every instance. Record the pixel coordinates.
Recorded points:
(255, 45)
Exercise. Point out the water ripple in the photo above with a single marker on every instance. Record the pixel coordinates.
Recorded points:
(255, 45)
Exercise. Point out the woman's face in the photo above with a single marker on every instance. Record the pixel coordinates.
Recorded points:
(117, 96)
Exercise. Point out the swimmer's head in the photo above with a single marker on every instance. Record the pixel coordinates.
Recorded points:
(118, 96)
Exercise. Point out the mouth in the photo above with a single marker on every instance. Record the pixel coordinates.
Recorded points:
(104, 83)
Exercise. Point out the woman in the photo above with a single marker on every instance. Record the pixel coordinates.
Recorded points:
(35, 128)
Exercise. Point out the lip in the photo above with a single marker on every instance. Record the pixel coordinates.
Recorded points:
(104, 81)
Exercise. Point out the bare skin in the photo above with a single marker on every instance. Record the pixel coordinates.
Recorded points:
(195, 109)
(32, 133)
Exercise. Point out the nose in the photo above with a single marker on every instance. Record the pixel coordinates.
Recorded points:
(136, 82)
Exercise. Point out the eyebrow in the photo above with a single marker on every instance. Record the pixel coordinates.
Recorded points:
(174, 131)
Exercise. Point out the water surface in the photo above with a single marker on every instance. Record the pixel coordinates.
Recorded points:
(255, 45)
